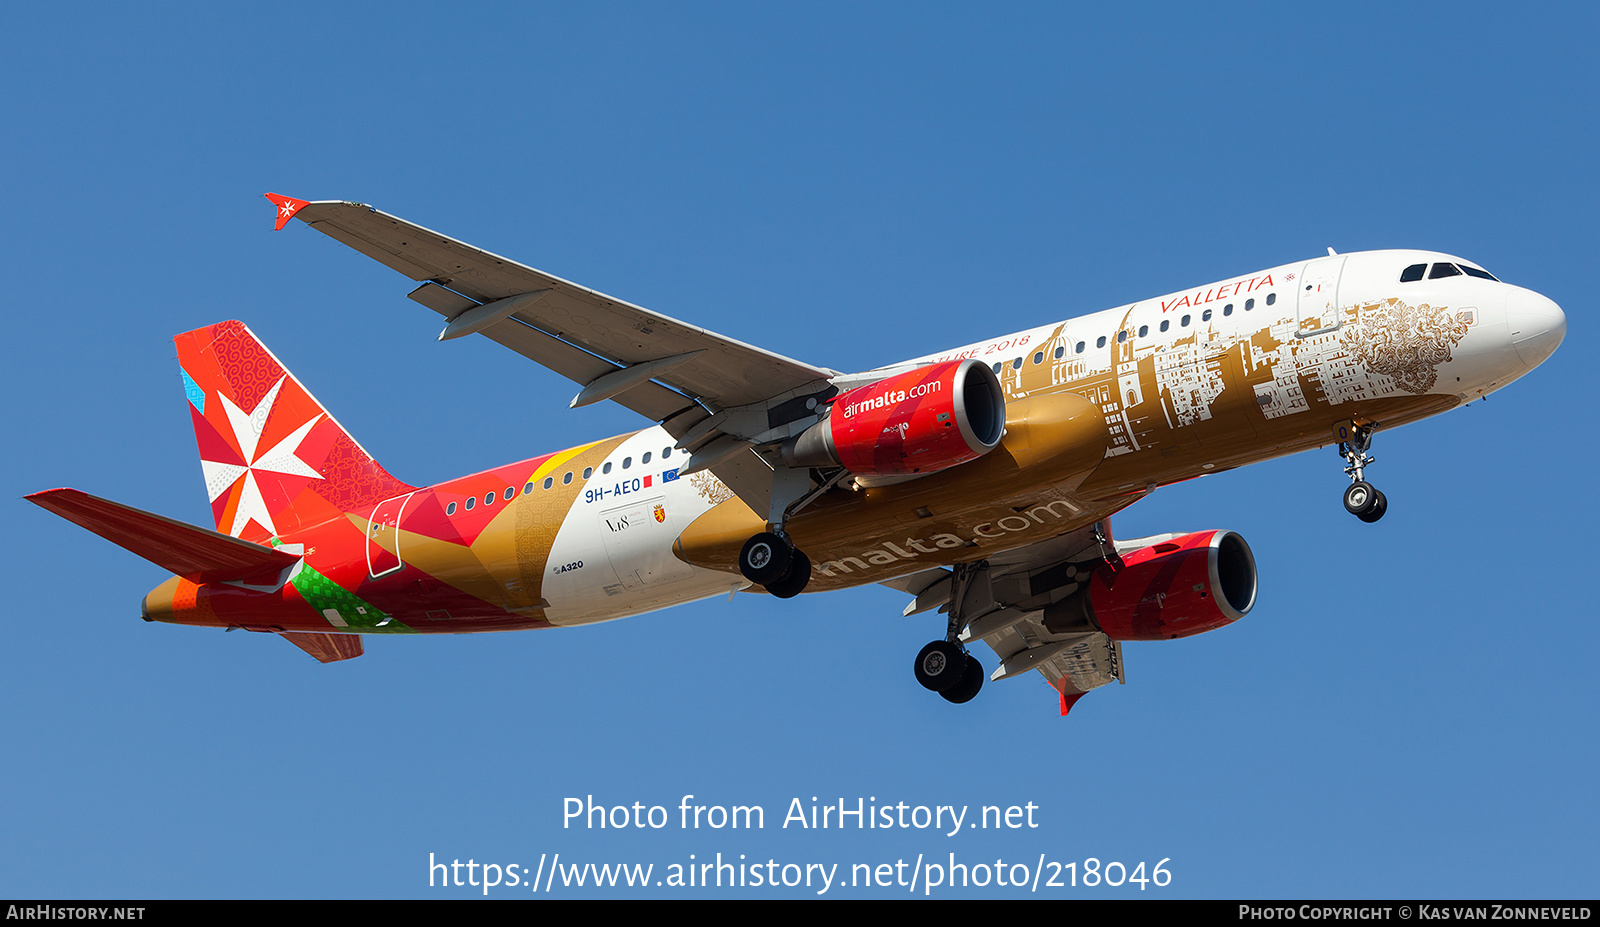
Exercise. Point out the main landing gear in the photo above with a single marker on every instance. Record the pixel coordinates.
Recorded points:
(1362, 499)
(945, 666)
(772, 561)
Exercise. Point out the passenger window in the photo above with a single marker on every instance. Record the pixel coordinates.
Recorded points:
(666, 452)
(1480, 274)
(1166, 324)
(1121, 337)
(1272, 298)
(1016, 364)
(527, 489)
(645, 459)
(1038, 357)
(1100, 342)
(606, 468)
(1061, 350)
(1228, 309)
(488, 498)
(1249, 304)
(1443, 270)
(997, 366)
(1205, 316)
(1144, 330)
(627, 462)
(549, 481)
(567, 479)
(471, 502)
(1413, 273)
(511, 493)
(1184, 321)
(587, 472)
(450, 509)
(1080, 348)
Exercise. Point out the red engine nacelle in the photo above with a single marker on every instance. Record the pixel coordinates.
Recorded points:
(921, 421)
(1176, 588)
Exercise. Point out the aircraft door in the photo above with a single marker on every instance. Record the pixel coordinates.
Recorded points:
(1318, 290)
(383, 536)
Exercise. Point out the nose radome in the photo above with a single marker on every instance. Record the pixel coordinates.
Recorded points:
(1537, 326)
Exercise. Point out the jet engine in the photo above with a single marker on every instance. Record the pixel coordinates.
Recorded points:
(1177, 587)
(914, 423)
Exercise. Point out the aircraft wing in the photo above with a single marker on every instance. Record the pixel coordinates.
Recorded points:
(675, 373)
(562, 320)
(1005, 605)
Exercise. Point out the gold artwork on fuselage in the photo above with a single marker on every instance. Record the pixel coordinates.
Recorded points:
(709, 487)
(1219, 382)
(1406, 343)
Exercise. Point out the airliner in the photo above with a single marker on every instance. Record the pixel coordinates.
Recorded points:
(979, 481)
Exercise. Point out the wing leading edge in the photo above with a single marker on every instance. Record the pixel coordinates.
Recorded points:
(718, 396)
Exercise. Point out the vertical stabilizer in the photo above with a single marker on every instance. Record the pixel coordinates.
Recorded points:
(274, 460)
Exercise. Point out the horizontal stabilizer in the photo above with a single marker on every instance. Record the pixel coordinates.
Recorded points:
(329, 648)
(199, 555)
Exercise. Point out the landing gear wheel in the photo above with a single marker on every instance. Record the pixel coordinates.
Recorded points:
(765, 558)
(794, 582)
(971, 682)
(1380, 505)
(1361, 499)
(941, 666)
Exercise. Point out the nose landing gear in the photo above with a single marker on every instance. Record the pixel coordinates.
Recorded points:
(1362, 499)
(1365, 501)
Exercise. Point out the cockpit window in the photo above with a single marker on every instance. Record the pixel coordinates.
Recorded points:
(1443, 270)
(1413, 273)
(1480, 274)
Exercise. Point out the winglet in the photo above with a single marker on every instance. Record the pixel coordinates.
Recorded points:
(1067, 701)
(287, 207)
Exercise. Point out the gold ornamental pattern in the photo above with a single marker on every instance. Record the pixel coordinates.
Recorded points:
(710, 488)
(1405, 343)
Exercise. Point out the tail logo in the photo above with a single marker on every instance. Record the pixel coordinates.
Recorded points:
(239, 472)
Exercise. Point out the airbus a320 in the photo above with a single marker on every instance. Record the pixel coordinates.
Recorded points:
(980, 481)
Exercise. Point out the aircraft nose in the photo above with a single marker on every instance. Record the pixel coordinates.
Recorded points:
(1537, 326)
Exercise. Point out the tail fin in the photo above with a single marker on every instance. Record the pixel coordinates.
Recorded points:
(274, 460)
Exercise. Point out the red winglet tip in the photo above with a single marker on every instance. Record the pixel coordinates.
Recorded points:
(1067, 701)
(287, 207)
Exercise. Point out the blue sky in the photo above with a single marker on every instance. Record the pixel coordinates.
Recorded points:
(1410, 710)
